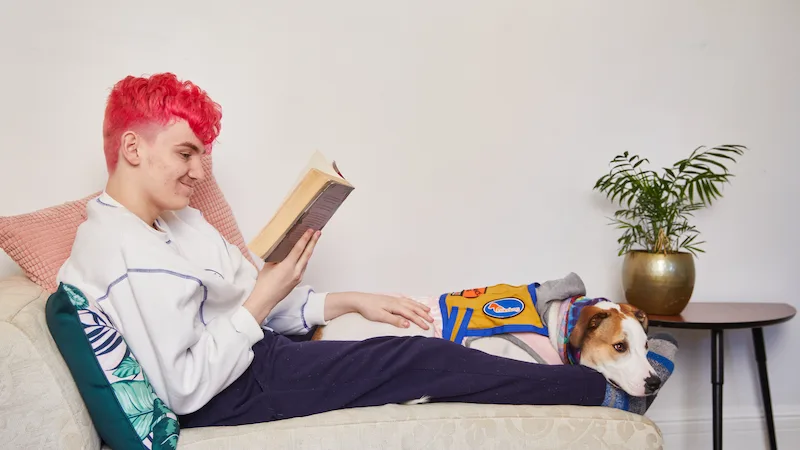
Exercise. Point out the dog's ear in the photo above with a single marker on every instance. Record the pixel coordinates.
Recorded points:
(638, 314)
(591, 317)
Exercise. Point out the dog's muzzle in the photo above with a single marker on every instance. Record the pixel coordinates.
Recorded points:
(651, 384)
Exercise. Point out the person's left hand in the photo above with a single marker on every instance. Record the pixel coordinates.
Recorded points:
(397, 311)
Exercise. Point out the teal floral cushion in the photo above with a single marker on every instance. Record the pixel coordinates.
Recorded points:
(125, 409)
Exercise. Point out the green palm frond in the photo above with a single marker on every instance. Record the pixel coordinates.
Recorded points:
(656, 207)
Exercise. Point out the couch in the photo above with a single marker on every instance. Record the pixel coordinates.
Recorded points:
(40, 408)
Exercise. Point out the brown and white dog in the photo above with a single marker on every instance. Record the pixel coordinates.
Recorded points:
(611, 338)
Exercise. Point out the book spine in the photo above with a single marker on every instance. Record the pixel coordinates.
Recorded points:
(318, 213)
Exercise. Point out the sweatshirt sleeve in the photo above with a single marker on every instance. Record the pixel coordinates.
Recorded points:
(297, 313)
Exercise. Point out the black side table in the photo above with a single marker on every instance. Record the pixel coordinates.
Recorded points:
(728, 316)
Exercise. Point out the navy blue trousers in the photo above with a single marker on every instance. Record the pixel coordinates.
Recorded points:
(289, 379)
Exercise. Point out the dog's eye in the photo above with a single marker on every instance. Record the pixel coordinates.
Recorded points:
(620, 347)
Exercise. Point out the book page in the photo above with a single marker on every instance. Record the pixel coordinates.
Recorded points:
(319, 162)
(315, 217)
(316, 161)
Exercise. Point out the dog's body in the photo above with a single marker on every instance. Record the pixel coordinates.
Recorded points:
(608, 337)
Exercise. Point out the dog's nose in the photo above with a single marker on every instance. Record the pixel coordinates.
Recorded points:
(651, 384)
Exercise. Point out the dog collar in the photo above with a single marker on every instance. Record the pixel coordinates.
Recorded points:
(569, 353)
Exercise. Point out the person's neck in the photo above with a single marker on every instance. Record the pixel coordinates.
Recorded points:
(126, 196)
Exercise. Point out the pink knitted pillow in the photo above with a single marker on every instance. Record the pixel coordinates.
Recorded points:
(41, 241)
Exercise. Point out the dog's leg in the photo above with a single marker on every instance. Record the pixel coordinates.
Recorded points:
(418, 401)
(317, 334)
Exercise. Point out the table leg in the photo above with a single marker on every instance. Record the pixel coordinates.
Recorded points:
(761, 358)
(717, 378)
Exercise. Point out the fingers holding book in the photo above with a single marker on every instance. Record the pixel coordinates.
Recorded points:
(302, 251)
(297, 259)
(276, 280)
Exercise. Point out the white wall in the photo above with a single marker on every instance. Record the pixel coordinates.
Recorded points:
(504, 112)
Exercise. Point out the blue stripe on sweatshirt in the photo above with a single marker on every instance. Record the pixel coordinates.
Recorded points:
(161, 271)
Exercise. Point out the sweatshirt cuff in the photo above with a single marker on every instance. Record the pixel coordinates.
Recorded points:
(314, 310)
(245, 323)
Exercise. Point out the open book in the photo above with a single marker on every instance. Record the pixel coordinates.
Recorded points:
(317, 195)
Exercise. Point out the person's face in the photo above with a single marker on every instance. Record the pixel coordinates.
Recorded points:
(170, 165)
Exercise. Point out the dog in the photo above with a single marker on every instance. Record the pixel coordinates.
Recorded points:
(608, 337)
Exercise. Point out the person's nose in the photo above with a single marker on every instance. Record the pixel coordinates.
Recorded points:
(196, 171)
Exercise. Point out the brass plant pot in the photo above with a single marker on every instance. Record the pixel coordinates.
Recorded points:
(657, 283)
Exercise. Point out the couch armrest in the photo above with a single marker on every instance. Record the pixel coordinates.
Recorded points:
(40, 406)
(17, 292)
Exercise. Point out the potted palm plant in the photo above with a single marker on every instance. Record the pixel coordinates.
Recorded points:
(658, 241)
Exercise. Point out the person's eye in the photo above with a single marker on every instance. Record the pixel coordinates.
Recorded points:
(186, 156)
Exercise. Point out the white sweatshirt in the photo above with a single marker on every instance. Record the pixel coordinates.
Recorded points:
(176, 296)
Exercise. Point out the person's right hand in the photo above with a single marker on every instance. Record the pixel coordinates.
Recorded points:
(276, 280)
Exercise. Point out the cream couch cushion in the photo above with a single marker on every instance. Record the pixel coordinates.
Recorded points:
(439, 426)
(40, 408)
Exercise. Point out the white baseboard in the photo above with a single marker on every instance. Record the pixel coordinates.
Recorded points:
(739, 432)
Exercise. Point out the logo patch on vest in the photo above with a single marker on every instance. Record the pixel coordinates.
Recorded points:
(504, 308)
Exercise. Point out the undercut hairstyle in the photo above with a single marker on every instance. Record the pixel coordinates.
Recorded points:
(161, 99)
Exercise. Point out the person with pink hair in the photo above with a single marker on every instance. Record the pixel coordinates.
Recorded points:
(221, 341)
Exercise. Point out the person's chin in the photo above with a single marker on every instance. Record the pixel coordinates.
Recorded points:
(179, 202)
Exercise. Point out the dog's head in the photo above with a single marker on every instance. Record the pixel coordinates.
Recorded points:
(613, 340)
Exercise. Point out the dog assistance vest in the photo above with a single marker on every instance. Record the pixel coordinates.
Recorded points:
(490, 310)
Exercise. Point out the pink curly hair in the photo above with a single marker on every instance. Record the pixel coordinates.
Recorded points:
(158, 99)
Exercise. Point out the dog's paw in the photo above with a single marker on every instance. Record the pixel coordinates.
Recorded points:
(419, 401)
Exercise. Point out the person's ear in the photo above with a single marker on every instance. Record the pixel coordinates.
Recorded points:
(129, 149)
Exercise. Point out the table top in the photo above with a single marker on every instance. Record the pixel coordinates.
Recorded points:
(706, 316)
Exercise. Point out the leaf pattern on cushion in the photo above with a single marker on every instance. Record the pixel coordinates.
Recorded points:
(165, 429)
(153, 421)
(136, 399)
(127, 368)
(107, 343)
(76, 297)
